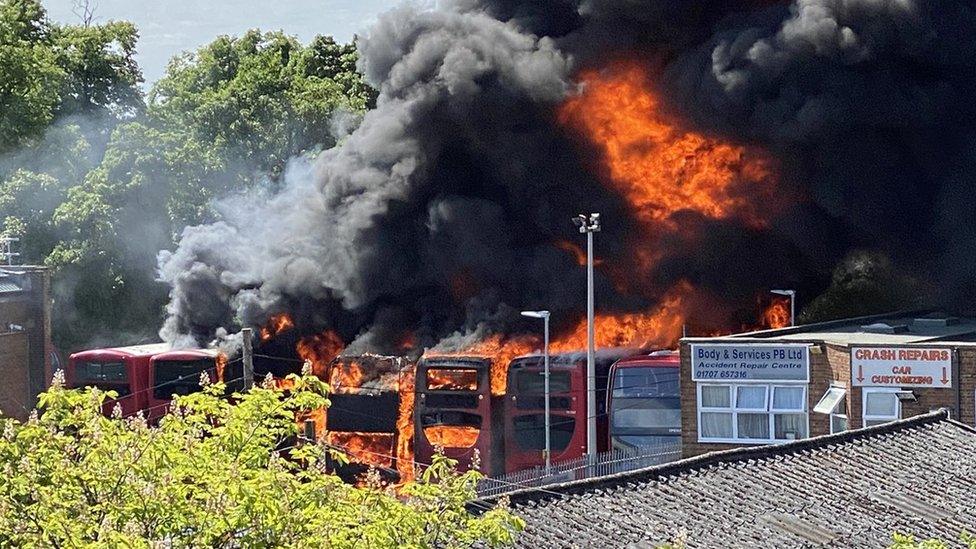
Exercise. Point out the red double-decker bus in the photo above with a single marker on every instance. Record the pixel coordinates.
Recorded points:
(525, 417)
(177, 372)
(644, 401)
(124, 370)
(454, 409)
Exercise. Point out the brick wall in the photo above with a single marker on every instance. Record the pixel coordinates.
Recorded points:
(689, 412)
(966, 376)
(25, 366)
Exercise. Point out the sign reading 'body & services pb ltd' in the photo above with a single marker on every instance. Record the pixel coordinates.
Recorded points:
(901, 367)
(750, 362)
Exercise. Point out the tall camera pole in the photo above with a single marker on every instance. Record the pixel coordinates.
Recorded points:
(590, 225)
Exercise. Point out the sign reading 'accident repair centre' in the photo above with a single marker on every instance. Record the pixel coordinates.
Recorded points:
(901, 367)
(750, 362)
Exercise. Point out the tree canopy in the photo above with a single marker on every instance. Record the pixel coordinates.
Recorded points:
(215, 473)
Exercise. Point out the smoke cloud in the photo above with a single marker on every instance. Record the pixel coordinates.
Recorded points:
(441, 213)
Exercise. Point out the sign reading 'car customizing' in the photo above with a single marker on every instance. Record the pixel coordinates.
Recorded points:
(750, 362)
(901, 367)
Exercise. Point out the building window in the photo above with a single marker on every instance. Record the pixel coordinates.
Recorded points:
(880, 406)
(751, 413)
(834, 403)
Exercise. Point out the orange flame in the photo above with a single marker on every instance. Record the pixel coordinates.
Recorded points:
(278, 323)
(500, 351)
(320, 350)
(452, 436)
(659, 167)
(452, 380)
(368, 448)
(221, 363)
(658, 328)
(405, 425)
(777, 314)
(346, 376)
(579, 254)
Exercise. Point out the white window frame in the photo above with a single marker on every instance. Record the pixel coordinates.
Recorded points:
(769, 411)
(846, 419)
(841, 405)
(865, 391)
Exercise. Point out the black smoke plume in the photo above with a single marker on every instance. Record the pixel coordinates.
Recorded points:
(440, 212)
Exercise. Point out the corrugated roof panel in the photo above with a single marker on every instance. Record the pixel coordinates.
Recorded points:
(9, 286)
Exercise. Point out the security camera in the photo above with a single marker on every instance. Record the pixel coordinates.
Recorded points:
(579, 220)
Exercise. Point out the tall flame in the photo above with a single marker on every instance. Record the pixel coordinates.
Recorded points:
(658, 166)
(278, 323)
(658, 328)
(221, 364)
(777, 314)
(579, 254)
(320, 350)
(405, 425)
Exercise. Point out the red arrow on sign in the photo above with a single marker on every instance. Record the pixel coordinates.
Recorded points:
(945, 380)
(860, 373)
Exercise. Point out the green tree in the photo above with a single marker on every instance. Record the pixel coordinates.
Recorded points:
(262, 98)
(864, 283)
(100, 69)
(214, 474)
(30, 78)
(149, 186)
(902, 541)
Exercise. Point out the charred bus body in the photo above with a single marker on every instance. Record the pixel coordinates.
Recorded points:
(365, 406)
(455, 410)
(524, 415)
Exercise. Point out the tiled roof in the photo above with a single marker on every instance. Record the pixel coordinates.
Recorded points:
(851, 489)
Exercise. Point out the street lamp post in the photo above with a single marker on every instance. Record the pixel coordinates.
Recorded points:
(792, 295)
(544, 315)
(589, 225)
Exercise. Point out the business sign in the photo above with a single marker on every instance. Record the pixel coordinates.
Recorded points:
(750, 362)
(901, 367)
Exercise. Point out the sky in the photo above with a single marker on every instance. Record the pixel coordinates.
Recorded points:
(168, 27)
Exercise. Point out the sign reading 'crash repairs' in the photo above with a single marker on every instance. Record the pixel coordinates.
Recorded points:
(901, 367)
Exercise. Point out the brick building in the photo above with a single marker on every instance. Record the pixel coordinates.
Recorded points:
(25, 337)
(773, 386)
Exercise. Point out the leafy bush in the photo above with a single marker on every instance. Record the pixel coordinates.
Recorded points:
(214, 473)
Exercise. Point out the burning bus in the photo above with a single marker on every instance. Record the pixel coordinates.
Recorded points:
(524, 424)
(124, 370)
(364, 416)
(455, 410)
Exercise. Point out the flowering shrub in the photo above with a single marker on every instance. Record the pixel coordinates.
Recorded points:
(214, 473)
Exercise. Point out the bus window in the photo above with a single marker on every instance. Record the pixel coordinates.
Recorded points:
(529, 382)
(530, 432)
(107, 376)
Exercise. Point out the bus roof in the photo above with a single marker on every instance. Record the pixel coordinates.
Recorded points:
(657, 359)
(186, 354)
(572, 359)
(133, 350)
